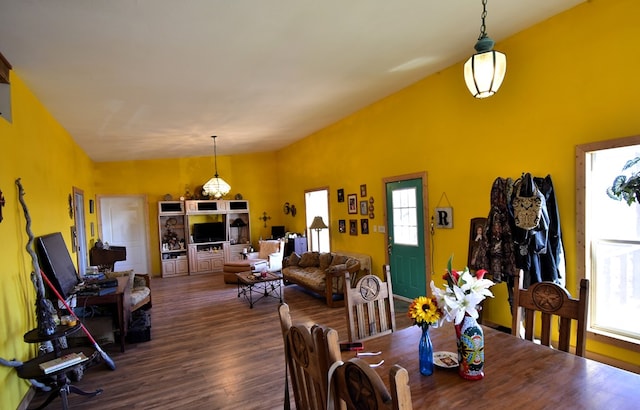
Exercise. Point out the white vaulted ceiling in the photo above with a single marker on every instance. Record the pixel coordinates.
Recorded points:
(143, 79)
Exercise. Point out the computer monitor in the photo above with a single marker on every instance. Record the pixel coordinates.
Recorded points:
(278, 232)
(56, 263)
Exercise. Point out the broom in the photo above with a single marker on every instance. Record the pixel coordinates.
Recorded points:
(110, 363)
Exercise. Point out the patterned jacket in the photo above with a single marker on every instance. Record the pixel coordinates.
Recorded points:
(496, 249)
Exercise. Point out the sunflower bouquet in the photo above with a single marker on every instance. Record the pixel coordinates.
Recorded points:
(425, 312)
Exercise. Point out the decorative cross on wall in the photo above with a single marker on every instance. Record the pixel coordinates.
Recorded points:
(264, 218)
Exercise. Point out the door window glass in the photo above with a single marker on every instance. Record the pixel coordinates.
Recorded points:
(405, 217)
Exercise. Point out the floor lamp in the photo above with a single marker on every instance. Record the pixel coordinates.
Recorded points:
(318, 224)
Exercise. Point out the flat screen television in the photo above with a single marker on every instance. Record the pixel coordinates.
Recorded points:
(55, 262)
(208, 232)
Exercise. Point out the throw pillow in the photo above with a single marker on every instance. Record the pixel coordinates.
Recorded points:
(293, 260)
(325, 260)
(309, 259)
(139, 282)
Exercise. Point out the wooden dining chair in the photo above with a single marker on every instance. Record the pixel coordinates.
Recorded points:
(355, 386)
(309, 352)
(369, 306)
(551, 300)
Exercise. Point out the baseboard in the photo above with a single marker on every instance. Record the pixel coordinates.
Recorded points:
(26, 400)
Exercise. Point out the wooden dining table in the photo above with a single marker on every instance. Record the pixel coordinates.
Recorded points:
(518, 374)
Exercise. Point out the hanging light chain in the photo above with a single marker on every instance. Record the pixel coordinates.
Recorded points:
(483, 26)
(215, 155)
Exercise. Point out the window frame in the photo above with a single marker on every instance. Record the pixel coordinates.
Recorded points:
(582, 253)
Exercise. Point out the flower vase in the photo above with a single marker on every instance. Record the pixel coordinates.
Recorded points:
(425, 353)
(470, 349)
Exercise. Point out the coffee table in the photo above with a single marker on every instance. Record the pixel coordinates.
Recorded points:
(268, 286)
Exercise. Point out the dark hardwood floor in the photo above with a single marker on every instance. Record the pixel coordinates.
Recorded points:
(208, 350)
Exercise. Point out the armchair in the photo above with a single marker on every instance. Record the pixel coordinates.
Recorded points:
(269, 256)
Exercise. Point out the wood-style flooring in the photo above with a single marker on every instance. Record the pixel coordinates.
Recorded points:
(208, 350)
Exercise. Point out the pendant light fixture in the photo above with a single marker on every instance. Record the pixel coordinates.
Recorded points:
(216, 186)
(485, 70)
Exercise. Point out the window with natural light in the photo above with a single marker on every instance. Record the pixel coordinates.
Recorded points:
(405, 217)
(612, 232)
(317, 204)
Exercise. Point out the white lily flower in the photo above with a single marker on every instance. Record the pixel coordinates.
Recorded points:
(462, 298)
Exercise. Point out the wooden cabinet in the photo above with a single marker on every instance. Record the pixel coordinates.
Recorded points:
(175, 267)
(206, 258)
(172, 234)
(199, 236)
(236, 252)
(239, 224)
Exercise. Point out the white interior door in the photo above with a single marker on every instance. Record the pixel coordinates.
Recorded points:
(124, 222)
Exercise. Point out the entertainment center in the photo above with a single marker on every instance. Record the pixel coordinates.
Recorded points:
(199, 236)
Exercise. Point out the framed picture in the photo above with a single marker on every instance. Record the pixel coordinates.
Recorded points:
(353, 227)
(353, 203)
(475, 237)
(363, 190)
(340, 195)
(364, 207)
(342, 225)
(364, 226)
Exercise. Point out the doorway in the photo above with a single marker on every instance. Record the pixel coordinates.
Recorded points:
(124, 222)
(316, 203)
(407, 239)
(79, 232)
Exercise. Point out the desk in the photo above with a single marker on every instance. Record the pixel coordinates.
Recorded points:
(518, 374)
(122, 301)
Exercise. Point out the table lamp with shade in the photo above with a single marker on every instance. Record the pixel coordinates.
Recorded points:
(318, 224)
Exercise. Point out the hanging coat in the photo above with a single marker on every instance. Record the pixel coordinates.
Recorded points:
(552, 263)
(495, 251)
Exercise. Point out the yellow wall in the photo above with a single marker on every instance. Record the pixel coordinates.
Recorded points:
(556, 95)
(252, 175)
(49, 163)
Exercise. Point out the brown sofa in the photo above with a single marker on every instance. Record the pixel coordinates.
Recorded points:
(321, 273)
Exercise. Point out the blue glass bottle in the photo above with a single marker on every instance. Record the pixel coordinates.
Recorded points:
(425, 352)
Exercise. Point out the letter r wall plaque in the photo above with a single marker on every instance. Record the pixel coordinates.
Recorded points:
(444, 218)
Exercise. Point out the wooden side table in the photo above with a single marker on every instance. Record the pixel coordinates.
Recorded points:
(121, 299)
(57, 380)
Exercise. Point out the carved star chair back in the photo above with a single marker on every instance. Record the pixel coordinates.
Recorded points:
(369, 306)
(309, 352)
(355, 386)
(551, 300)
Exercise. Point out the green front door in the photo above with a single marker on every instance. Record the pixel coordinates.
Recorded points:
(406, 241)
